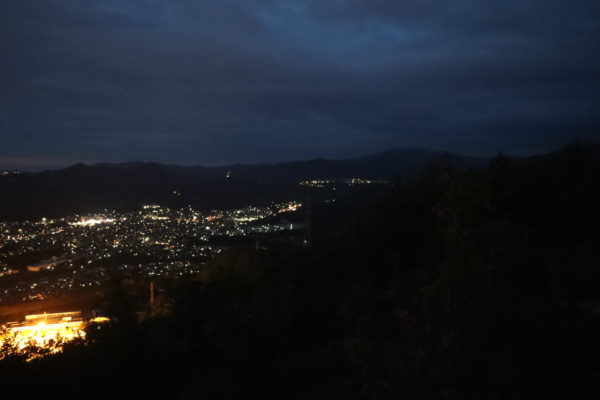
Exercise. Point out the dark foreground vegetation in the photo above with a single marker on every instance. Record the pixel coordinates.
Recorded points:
(462, 285)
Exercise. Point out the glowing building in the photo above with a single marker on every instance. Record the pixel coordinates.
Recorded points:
(45, 330)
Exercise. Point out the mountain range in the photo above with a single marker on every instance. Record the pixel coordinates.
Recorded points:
(90, 188)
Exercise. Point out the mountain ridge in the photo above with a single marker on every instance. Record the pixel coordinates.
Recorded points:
(82, 188)
(396, 152)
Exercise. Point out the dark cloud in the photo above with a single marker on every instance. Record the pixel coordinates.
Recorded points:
(189, 81)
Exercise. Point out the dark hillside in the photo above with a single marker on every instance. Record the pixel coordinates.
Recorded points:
(479, 284)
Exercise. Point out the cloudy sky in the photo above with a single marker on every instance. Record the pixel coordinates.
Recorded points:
(216, 82)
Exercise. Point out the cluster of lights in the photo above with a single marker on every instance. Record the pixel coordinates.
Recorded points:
(7, 271)
(6, 173)
(323, 183)
(93, 222)
(318, 183)
(86, 246)
(360, 181)
(48, 332)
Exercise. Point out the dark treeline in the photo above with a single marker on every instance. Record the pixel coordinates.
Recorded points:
(479, 284)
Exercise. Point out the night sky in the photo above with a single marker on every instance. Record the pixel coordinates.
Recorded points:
(222, 81)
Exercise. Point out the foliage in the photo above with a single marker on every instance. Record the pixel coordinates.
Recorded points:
(463, 284)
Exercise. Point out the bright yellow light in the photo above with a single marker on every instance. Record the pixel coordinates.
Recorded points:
(99, 320)
(46, 331)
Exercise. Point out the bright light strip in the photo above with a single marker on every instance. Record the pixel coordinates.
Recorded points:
(93, 222)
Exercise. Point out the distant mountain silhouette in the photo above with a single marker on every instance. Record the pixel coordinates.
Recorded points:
(384, 165)
(83, 188)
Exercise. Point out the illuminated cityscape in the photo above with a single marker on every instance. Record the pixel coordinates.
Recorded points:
(150, 243)
(300, 199)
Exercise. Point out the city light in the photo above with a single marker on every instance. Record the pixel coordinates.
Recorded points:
(93, 222)
(75, 253)
(45, 331)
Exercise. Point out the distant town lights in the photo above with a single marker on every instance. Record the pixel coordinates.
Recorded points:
(93, 222)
